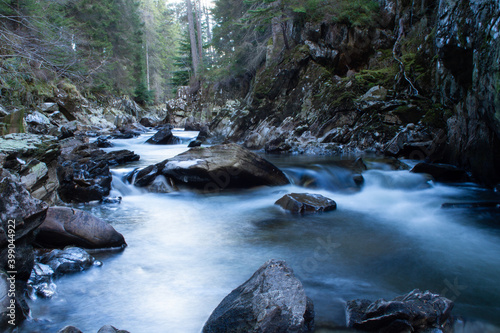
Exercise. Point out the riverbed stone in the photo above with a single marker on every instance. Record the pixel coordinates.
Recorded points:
(64, 226)
(164, 136)
(302, 203)
(69, 329)
(272, 300)
(413, 312)
(69, 260)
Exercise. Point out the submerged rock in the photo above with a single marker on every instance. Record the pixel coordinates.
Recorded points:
(213, 169)
(442, 172)
(306, 203)
(272, 300)
(65, 226)
(414, 311)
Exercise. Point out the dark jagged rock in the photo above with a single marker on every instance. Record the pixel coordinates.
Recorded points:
(148, 122)
(84, 172)
(272, 300)
(103, 142)
(110, 329)
(104, 329)
(164, 136)
(412, 312)
(69, 260)
(442, 172)
(21, 212)
(41, 280)
(69, 329)
(214, 169)
(195, 143)
(65, 226)
(306, 203)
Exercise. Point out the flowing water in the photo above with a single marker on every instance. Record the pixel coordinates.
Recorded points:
(186, 251)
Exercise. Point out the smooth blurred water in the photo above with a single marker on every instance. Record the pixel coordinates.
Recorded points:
(186, 251)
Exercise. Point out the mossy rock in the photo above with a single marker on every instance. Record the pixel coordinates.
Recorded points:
(409, 113)
(14, 123)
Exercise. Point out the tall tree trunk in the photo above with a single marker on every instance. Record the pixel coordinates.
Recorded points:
(147, 65)
(192, 37)
(197, 13)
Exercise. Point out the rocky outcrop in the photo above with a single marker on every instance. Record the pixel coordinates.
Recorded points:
(64, 226)
(20, 216)
(468, 72)
(303, 203)
(272, 300)
(212, 169)
(413, 312)
(83, 172)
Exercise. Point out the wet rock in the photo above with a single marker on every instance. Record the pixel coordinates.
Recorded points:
(442, 172)
(306, 203)
(214, 169)
(272, 300)
(65, 226)
(69, 260)
(195, 143)
(38, 123)
(377, 93)
(414, 311)
(103, 142)
(69, 329)
(163, 137)
(21, 212)
(110, 329)
(41, 281)
(19, 208)
(84, 172)
(148, 122)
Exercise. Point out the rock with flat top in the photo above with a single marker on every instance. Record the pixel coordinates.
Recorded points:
(302, 203)
(413, 312)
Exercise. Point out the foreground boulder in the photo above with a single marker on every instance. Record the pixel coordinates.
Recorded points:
(213, 169)
(66, 226)
(272, 300)
(442, 172)
(412, 312)
(306, 203)
(20, 216)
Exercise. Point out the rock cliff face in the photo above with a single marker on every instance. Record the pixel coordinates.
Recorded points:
(422, 81)
(468, 71)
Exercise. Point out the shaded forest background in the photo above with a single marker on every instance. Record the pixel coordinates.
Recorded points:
(148, 48)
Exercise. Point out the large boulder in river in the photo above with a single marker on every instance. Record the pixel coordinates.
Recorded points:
(214, 168)
(163, 137)
(66, 226)
(272, 300)
(306, 203)
(412, 312)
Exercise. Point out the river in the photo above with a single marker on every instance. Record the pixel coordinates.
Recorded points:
(186, 251)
